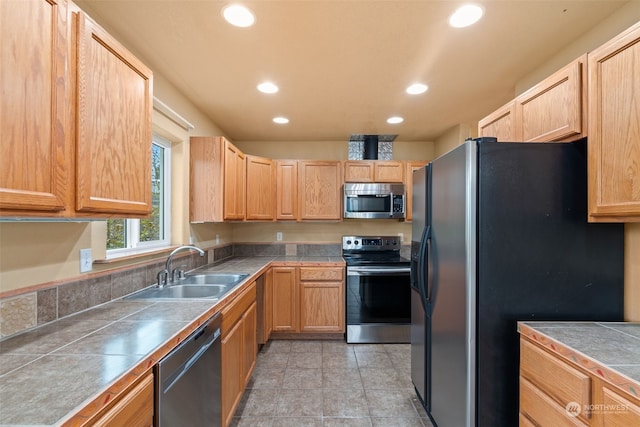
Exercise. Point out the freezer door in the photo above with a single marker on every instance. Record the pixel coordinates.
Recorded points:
(452, 294)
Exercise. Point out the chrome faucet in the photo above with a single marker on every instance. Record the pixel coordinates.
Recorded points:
(169, 276)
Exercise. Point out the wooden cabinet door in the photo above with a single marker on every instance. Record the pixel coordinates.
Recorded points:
(285, 299)
(553, 109)
(134, 409)
(614, 129)
(410, 167)
(388, 171)
(113, 135)
(320, 190)
(260, 188)
(35, 139)
(206, 178)
(287, 189)
(499, 124)
(322, 306)
(268, 305)
(322, 299)
(234, 182)
(232, 372)
(358, 171)
(249, 342)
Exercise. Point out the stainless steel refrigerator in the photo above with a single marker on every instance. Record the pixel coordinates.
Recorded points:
(500, 234)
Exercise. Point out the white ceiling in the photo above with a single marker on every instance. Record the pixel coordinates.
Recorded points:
(342, 65)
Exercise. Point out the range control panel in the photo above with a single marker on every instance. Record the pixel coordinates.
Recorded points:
(371, 243)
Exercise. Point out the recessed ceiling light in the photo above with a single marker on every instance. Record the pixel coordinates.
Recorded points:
(466, 15)
(267, 87)
(395, 120)
(417, 88)
(280, 120)
(238, 15)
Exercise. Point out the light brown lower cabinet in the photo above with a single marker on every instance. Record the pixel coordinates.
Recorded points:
(322, 299)
(308, 299)
(134, 408)
(239, 349)
(555, 392)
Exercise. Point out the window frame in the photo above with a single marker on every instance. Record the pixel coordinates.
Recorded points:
(132, 225)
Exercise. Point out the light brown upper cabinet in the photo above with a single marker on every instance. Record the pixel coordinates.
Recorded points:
(234, 182)
(410, 167)
(216, 180)
(286, 189)
(554, 109)
(260, 188)
(35, 141)
(373, 171)
(614, 129)
(320, 190)
(499, 124)
(75, 116)
(113, 130)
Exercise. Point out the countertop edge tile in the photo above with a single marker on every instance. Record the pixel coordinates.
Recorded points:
(605, 371)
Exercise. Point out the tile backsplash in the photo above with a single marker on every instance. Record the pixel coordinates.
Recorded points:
(22, 312)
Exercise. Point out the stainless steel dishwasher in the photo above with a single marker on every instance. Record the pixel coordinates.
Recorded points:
(188, 380)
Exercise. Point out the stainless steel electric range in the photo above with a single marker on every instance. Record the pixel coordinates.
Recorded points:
(378, 290)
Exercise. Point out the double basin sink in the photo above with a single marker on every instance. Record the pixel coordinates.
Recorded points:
(210, 286)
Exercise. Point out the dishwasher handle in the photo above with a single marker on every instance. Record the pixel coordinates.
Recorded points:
(175, 377)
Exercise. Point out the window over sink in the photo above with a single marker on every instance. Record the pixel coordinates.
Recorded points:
(128, 236)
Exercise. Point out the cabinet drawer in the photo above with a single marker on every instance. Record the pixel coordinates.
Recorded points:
(557, 379)
(321, 273)
(542, 410)
(233, 312)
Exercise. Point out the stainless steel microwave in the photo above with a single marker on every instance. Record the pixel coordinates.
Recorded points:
(371, 200)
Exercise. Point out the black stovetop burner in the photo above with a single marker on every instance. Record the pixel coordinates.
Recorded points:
(372, 250)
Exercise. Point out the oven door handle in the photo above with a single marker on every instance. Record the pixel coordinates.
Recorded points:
(377, 271)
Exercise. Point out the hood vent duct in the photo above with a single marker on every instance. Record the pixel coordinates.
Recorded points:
(371, 147)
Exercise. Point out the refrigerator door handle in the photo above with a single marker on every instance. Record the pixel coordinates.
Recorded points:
(424, 253)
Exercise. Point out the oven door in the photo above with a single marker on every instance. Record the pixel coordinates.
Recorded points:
(378, 304)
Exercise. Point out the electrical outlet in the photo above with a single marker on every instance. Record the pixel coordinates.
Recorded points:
(401, 235)
(86, 263)
(217, 239)
(279, 235)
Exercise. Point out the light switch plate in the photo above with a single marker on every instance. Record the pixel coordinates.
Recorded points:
(86, 263)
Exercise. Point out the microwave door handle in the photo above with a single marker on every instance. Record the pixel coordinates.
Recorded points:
(391, 207)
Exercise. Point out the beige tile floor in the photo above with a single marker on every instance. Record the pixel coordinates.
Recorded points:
(331, 383)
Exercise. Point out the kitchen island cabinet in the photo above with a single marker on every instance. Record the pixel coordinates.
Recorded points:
(579, 374)
(614, 129)
(70, 146)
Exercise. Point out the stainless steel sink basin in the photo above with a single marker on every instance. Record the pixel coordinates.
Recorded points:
(182, 291)
(200, 286)
(213, 279)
